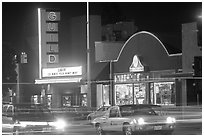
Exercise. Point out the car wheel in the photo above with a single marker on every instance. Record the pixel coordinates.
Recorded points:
(15, 131)
(127, 129)
(99, 130)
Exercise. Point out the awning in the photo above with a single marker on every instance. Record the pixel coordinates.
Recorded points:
(59, 80)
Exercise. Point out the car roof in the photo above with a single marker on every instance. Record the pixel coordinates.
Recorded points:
(140, 105)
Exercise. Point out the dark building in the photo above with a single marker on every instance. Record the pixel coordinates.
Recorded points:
(144, 71)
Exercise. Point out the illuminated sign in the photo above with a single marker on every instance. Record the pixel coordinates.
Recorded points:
(136, 65)
(58, 80)
(48, 28)
(52, 48)
(62, 71)
(51, 37)
(53, 16)
(52, 58)
(52, 27)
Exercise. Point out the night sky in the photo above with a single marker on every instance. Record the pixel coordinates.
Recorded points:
(151, 16)
(19, 19)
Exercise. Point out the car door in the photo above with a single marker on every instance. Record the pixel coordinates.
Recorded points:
(7, 120)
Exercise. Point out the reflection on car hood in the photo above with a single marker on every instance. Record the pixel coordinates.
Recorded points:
(150, 118)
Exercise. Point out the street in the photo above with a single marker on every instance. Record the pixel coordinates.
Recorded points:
(183, 128)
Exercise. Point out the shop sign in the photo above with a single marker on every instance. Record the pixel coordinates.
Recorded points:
(120, 78)
(136, 65)
(62, 71)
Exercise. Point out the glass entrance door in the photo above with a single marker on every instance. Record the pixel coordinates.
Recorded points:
(139, 93)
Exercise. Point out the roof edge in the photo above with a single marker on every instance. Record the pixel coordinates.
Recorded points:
(146, 32)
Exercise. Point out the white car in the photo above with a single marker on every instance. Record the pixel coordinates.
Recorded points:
(98, 113)
(130, 119)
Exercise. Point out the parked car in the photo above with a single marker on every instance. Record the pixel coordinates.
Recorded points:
(30, 119)
(98, 113)
(131, 119)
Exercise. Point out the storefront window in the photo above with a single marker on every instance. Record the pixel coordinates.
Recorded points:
(66, 100)
(151, 93)
(106, 95)
(124, 94)
(164, 93)
(84, 99)
(48, 100)
(36, 99)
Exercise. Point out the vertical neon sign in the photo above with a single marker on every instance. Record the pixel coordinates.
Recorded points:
(39, 38)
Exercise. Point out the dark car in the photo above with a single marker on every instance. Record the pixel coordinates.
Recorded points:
(130, 119)
(30, 119)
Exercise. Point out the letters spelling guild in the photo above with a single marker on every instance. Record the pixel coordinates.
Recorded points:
(52, 26)
(52, 16)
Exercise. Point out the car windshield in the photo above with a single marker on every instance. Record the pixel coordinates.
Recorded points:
(104, 108)
(132, 110)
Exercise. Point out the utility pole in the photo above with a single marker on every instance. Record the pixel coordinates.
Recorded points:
(17, 83)
(88, 60)
(112, 101)
(19, 60)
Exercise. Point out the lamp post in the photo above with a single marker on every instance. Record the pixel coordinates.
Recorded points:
(88, 60)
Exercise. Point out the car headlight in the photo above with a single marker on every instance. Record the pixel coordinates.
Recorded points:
(140, 121)
(59, 124)
(170, 120)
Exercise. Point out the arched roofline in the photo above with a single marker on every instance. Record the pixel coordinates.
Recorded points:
(146, 32)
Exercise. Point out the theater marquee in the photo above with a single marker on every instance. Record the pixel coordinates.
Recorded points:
(62, 71)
